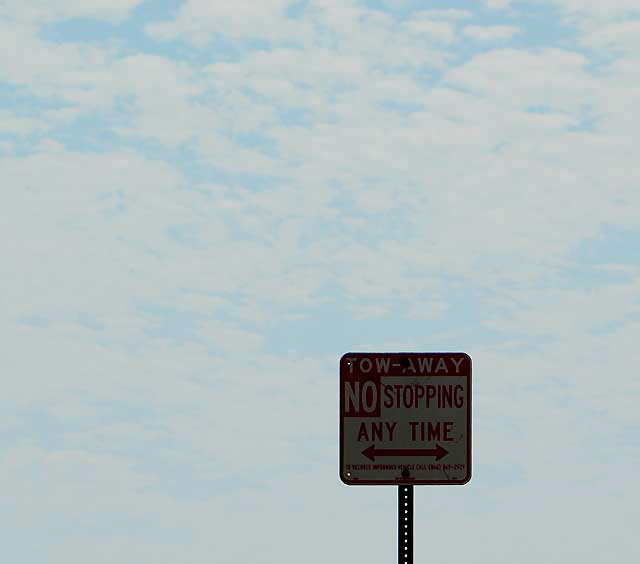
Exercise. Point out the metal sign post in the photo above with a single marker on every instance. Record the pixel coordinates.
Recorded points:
(405, 524)
(405, 420)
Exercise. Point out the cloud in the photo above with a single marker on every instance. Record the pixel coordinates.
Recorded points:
(11, 124)
(437, 30)
(47, 11)
(200, 20)
(194, 231)
(490, 33)
(600, 11)
(498, 4)
(86, 193)
(351, 133)
(615, 38)
(443, 14)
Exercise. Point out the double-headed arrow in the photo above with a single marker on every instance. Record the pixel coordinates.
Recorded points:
(371, 452)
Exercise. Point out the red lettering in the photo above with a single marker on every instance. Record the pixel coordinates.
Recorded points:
(445, 399)
(376, 431)
(431, 393)
(448, 427)
(458, 396)
(363, 435)
(408, 396)
(414, 428)
(398, 388)
(388, 391)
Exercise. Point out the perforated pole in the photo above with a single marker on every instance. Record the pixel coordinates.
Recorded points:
(405, 524)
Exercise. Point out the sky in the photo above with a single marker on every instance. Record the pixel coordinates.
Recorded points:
(206, 203)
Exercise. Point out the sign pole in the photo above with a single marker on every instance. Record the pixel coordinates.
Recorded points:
(405, 524)
(405, 420)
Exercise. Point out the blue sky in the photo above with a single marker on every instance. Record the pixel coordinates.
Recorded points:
(207, 203)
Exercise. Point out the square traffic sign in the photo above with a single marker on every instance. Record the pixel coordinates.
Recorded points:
(405, 418)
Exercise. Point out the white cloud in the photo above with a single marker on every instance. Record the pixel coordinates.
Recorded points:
(436, 30)
(11, 124)
(442, 14)
(600, 11)
(428, 309)
(46, 60)
(369, 312)
(200, 20)
(170, 354)
(622, 37)
(345, 28)
(53, 10)
(553, 79)
(490, 33)
(72, 196)
(498, 4)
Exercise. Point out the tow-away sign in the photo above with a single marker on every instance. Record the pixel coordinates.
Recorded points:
(405, 418)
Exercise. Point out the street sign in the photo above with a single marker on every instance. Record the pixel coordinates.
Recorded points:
(405, 418)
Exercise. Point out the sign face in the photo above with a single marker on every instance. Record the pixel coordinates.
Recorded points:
(405, 418)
